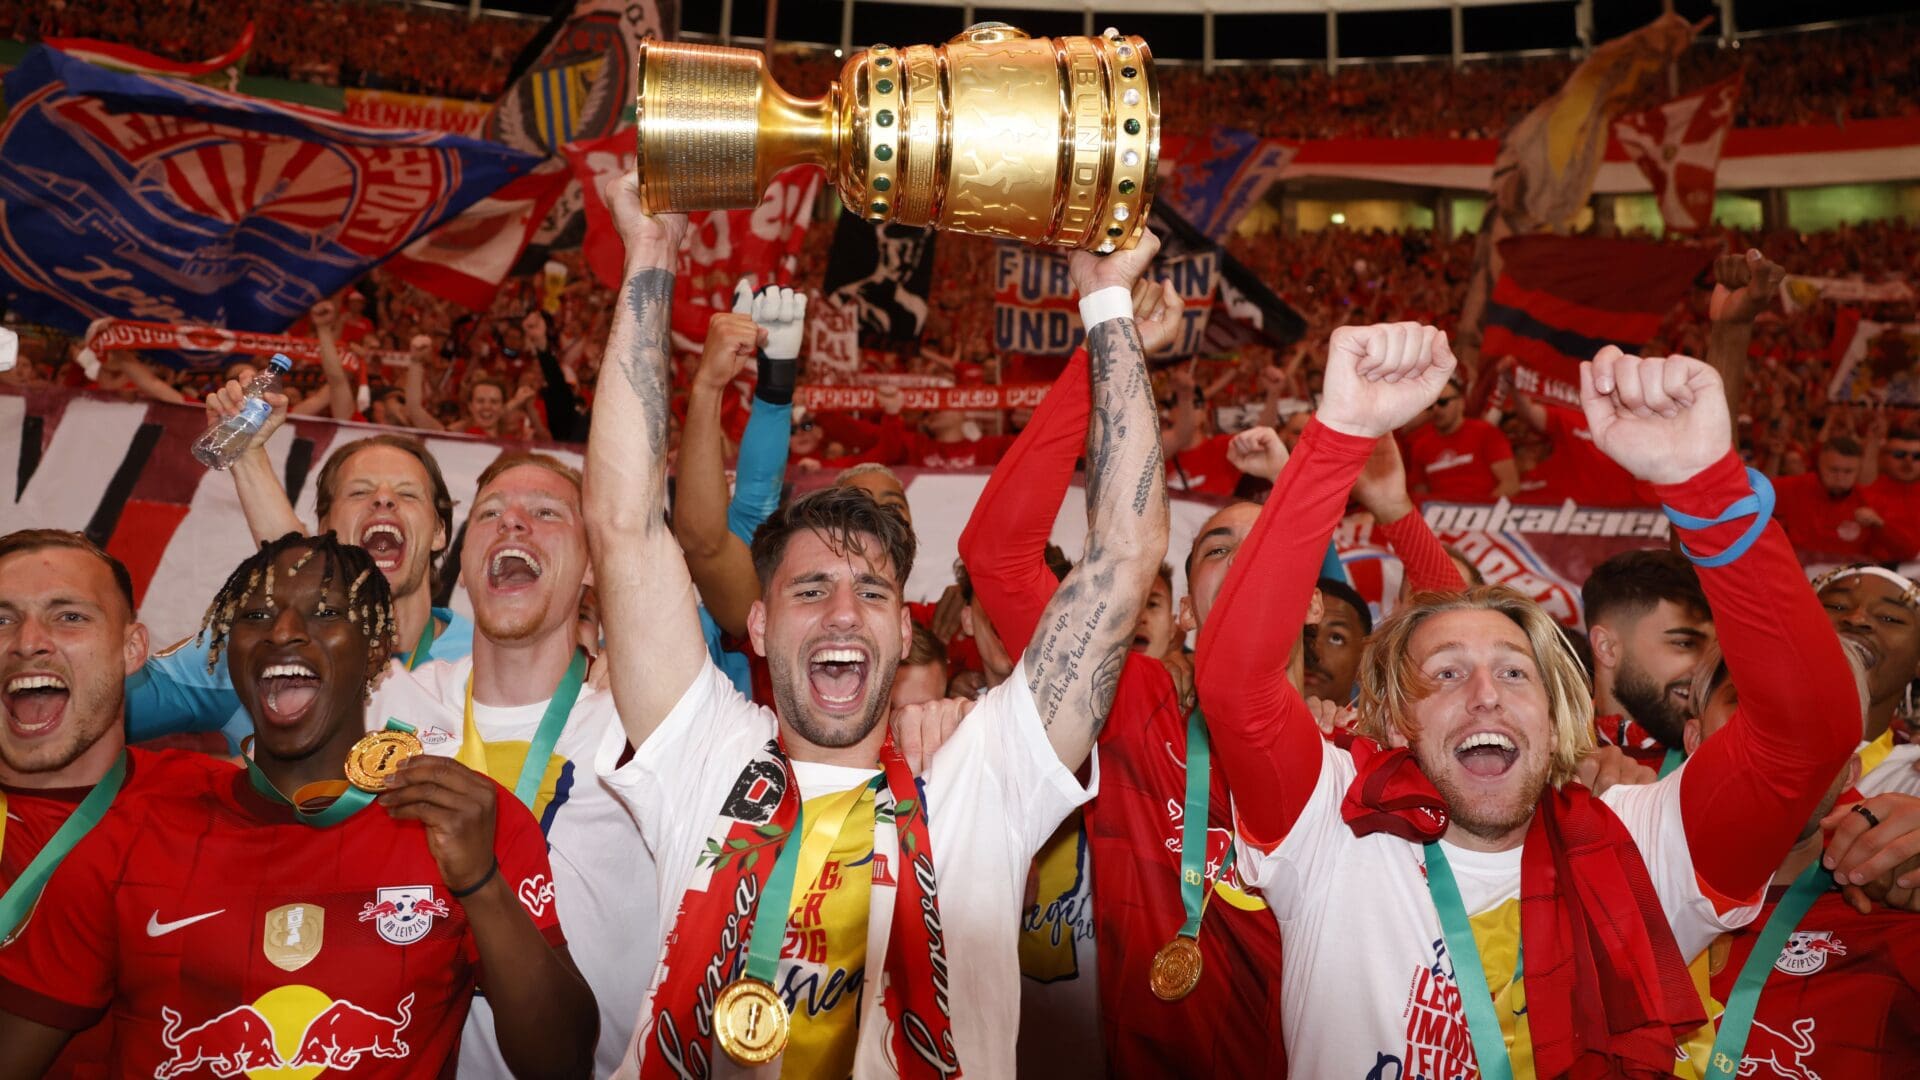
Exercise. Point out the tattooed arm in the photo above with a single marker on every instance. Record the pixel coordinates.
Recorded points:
(646, 596)
(1073, 663)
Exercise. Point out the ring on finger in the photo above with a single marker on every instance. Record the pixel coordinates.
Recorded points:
(1861, 809)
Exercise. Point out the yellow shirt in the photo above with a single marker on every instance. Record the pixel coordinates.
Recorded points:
(824, 958)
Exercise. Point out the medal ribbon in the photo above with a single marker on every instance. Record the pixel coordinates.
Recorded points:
(1672, 761)
(1875, 752)
(1193, 827)
(1730, 1045)
(421, 647)
(347, 799)
(20, 896)
(763, 948)
(1489, 1043)
(473, 752)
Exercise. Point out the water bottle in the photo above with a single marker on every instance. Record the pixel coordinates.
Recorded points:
(225, 441)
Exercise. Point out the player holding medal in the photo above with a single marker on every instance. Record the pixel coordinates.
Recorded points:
(230, 924)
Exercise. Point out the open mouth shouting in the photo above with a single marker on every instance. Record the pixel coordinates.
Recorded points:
(837, 677)
(287, 692)
(386, 543)
(1488, 755)
(36, 703)
(512, 567)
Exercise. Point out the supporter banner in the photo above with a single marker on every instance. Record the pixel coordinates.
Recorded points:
(1036, 310)
(1212, 179)
(222, 71)
(1560, 299)
(162, 200)
(466, 259)
(1677, 146)
(833, 338)
(1797, 292)
(886, 273)
(1546, 552)
(1245, 309)
(417, 111)
(722, 246)
(207, 346)
(818, 398)
(1881, 364)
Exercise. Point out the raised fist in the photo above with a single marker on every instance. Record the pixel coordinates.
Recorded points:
(1746, 285)
(652, 240)
(1662, 418)
(325, 316)
(1157, 309)
(781, 311)
(1090, 273)
(1259, 452)
(1380, 377)
(731, 340)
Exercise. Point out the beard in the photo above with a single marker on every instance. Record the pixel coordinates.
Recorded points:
(1649, 704)
(516, 625)
(91, 711)
(1488, 816)
(791, 701)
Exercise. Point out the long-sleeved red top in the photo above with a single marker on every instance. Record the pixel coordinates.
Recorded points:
(1426, 564)
(1744, 797)
(1135, 835)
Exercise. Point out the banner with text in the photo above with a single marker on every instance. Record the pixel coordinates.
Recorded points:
(1036, 310)
(417, 111)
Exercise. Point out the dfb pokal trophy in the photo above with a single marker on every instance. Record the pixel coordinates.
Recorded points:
(1043, 140)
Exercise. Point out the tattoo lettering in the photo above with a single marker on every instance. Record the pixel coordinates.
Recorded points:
(650, 299)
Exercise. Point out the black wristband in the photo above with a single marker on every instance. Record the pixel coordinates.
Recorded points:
(462, 894)
(777, 378)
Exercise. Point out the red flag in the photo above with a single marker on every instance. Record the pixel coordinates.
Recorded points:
(1677, 146)
(722, 245)
(1560, 299)
(465, 259)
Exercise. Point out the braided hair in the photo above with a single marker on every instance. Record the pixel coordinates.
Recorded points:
(369, 598)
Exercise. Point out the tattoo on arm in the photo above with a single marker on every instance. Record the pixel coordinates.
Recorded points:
(650, 299)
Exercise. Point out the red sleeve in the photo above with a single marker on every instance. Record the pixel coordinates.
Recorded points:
(522, 852)
(1265, 739)
(59, 969)
(1749, 790)
(1428, 566)
(1496, 444)
(1005, 541)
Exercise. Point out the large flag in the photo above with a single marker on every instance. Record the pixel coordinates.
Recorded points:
(1561, 299)
(887, 272)
(162, 200)
(222, 71)
(1245, 311)
(1677, 146)
(572, 83)
(723, 246)
(1544, 174)
(1212, 179)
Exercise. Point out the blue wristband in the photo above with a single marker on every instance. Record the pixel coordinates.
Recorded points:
(1759, 505)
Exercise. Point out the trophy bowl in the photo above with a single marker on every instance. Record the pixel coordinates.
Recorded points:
(1043, 140)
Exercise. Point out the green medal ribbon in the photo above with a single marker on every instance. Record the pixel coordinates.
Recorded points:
(1193, 827)
(1489, 1043)
(770, 923)
(347, 799)
(25, 890)
(1672, 761)
(527, 788)
(425, 644)
(1730, 1045)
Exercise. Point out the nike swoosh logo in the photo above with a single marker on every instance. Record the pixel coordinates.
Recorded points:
(156, 928)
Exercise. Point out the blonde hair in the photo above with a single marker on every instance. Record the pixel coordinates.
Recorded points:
(1391, 682)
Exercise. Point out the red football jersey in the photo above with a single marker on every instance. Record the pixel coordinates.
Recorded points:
(1843, 998)
(1456, 467)
(1228, 1026)
(222, 936)
(1821, 525)
(1577, 469)
(1204, 470)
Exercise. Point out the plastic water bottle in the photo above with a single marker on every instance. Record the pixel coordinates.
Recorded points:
(225, 441)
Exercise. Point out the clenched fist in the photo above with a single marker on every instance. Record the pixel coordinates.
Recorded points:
(1380, 377)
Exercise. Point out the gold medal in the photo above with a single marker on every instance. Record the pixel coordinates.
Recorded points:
(750, 1022)
(378, 756)
(1176, 969)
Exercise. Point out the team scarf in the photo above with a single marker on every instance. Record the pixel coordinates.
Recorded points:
(1591, 927)
(708, 946)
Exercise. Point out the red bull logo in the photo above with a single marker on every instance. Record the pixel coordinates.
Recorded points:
(404, 914)
(290, 1031)
(1780, 1055)
(1806, 952)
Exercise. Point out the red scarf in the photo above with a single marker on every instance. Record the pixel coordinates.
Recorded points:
(708, 946)
(1591, 925)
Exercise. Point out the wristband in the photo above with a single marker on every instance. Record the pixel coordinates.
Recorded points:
(777, 376)
(462, 894)
(1759, 505)
(1100, 305)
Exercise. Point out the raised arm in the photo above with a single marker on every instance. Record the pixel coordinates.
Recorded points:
(1745, 286)
(262, 500)
(719, 561)
(417, 412)
(142, 377)
(1382, 490)
(338, 401)
(1265, 738)
(647, 601)
(1748, 792)
(1073, 665)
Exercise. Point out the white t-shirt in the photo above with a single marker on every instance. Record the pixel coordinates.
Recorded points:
(603, 878)
(1368, 987)
(995, 792)
(1895, 773)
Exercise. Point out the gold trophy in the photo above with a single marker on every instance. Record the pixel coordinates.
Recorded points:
(1045, 140)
